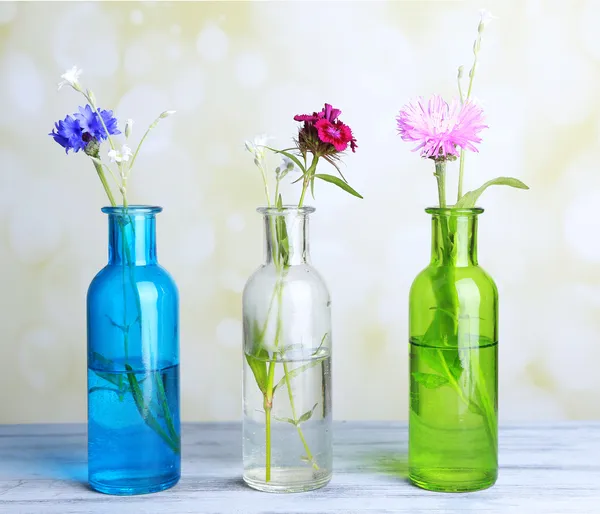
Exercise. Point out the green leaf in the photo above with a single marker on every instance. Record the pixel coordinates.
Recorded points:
(448, 313)
(429, 380)
(307, 415)
(469, 199)
(455, 366)
(338, 182)
(289, 156)
(99, 361)
(283, 245)
(257, 361)
(296, 371)
(443, 360)
(474, 408)
(286, 420)
(259, 369)
(98, 388)
(323, 339)
(144, 410)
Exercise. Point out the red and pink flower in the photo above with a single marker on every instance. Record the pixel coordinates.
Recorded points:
(323, 133)
(336, 133)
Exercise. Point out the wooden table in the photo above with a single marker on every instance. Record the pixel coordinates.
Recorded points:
(545, 468)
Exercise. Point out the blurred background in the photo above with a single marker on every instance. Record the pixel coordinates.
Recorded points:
(235, 69)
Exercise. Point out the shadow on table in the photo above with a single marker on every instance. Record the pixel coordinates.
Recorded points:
(69, 463)
(395, 464)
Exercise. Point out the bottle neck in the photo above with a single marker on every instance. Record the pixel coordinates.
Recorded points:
(286, 236)
(132, 239)
(454, 238)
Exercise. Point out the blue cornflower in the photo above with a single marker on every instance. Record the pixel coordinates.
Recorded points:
(69, 134)
(90, 122)
(77, 130)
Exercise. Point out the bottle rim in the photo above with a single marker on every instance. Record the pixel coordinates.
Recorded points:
(453, 211)
(286, 210)
(133, 210)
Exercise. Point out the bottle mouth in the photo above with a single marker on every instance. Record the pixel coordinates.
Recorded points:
(133, 210)
(285, 210)
(453, 211)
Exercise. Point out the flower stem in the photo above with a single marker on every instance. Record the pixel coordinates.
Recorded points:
(459, 81)
(440, 175)
(90, 99)
(268, 404)
(295, 418)
(276, 199)
(137, 150)
(171, 438)
(124, 191)
(461, 170)
(266, 184)
(307, 178)
(102, 177)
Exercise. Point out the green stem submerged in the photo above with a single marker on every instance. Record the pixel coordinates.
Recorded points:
(281, 264)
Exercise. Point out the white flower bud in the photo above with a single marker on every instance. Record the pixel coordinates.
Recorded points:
(167, 114)
(485, 18)
(128, 127)
(92, 97)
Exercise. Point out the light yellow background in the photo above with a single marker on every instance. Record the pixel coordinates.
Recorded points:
(232, 70)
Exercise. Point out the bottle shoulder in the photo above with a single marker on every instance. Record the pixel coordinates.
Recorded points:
(298, 276)
(433, 277)
(148, 277)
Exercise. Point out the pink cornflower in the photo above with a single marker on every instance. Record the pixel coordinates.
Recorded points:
(323, 133)
(440, 128)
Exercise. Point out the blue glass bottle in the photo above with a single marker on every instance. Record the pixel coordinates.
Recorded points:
(133, 362)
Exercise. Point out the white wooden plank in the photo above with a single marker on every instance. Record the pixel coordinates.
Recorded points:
(546, 468)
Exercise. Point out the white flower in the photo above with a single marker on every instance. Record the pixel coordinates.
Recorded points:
(128, 127)
(485, 18)
(121, 155)
(167, 113)
(70, 77)
(257, 147)
(286, 165)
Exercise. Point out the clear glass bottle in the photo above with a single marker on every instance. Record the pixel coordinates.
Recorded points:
(287, 439)
(453, 430)
(133, 362)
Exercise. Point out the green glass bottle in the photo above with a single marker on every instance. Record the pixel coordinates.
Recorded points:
(453, 428)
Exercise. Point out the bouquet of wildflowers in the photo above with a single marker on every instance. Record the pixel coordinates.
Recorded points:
(89, 130)
(91, 126)
(322, 136)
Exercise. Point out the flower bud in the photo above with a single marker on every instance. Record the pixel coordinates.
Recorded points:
(92, 97)
(167, 114)
(92, 148)
(128, 127)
